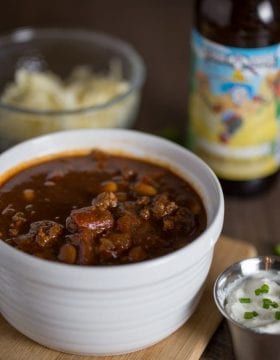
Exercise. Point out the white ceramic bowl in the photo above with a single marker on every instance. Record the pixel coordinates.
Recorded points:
(111, 309)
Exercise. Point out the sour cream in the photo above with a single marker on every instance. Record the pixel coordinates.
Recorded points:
(254, 302)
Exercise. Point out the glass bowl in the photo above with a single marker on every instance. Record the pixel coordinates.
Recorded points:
(60, 51)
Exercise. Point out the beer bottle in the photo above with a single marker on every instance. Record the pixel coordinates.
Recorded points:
(234, 101)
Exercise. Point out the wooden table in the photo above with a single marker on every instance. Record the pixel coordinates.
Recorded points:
(159, 29)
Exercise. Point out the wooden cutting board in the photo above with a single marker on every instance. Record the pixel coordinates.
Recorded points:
(187, 343)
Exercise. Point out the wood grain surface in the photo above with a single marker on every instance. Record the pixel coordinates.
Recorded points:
(187, 343)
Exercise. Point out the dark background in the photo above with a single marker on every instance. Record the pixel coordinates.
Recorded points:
(158, 29)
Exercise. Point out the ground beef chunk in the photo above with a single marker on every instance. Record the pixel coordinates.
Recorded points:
(47, 232)
(162, 206)
(18, 220)
(44, 233)
(105, 200)
(181, 220)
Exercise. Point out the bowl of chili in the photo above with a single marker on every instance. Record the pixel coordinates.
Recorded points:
(107, 237)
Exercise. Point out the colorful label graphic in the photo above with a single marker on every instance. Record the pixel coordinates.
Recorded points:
(235, 108)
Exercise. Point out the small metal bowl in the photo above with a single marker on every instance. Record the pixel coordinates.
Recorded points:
(247, 343)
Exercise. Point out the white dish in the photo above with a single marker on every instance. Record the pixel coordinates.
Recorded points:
(112, 309)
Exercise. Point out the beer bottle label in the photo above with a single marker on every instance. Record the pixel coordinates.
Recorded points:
(234, 122)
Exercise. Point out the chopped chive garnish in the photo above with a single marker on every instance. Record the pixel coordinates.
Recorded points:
(266, 303)
(264, 289)
(277, 315)
(248, 315)
(245, 300)
(275, 305)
